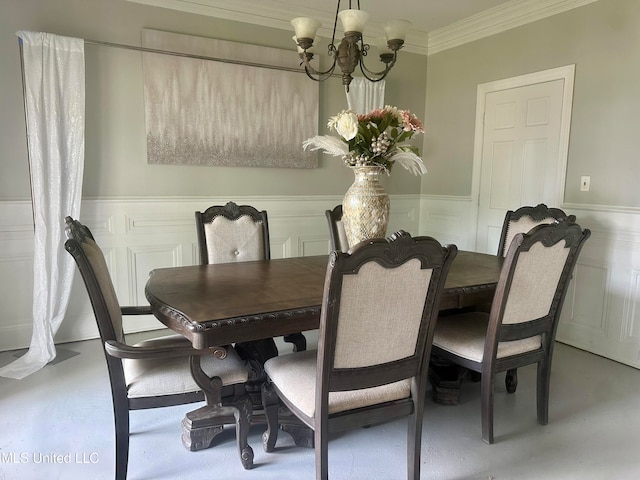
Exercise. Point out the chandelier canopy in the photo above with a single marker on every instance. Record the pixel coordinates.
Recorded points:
(351, 51)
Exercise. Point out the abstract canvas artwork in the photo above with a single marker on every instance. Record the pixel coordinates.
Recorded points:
(204, 112)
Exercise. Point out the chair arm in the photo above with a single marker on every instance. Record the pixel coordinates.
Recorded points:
(177, 349)
(137, 310)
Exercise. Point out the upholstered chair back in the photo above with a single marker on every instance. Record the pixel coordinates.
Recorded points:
(93, 267)
(232, 233)
(237, 240)
(535, 280)
(369, 299)
(524, 219)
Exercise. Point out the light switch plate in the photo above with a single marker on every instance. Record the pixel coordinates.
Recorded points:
(585, 183)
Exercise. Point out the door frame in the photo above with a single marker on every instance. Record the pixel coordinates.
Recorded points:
(566, 73)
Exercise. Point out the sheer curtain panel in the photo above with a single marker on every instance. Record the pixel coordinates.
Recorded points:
(365, 95)
(54, 90)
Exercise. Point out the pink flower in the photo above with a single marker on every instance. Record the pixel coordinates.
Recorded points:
(411, 122)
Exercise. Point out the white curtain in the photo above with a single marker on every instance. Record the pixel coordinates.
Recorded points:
(364, 95)
(54, 90)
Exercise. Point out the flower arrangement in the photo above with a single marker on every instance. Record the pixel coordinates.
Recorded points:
(372, 139)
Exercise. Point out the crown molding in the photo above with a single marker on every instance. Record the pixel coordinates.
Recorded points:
(496, 20)
(276, 14)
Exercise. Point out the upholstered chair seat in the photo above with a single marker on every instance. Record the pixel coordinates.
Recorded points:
(465, 335)
(296, 376)
(172, 376)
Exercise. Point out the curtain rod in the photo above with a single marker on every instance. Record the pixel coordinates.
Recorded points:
(190, 55)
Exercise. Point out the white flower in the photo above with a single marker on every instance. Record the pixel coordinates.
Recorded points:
(345, 124)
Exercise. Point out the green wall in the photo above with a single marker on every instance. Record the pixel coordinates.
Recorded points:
(603, 40)
(115, 161)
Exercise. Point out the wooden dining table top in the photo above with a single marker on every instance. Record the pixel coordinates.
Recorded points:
(218, 304)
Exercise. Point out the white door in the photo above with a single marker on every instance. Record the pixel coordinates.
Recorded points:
(523, 156)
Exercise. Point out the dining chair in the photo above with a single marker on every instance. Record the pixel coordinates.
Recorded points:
(156, 372)
(521, 221)
(378, 312)
(521, 326)
(337, 234)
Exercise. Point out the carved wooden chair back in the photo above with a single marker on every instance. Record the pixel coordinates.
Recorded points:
(524, 219)
(155, 372)
(378, 312)
(232, 233)
(521, 327)
(337, 234)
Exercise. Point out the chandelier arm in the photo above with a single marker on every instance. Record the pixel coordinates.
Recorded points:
(377, 76)
(309, 70)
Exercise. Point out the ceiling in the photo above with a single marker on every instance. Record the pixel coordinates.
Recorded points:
(436, 24)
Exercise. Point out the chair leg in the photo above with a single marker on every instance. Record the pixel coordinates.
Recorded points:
(486, 393)
(321, 440)
(270, 404)
(542, 391)
(243, 421)
(121, 420)
(414, 441)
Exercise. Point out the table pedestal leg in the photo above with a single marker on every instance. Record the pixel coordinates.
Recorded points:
(445, 378)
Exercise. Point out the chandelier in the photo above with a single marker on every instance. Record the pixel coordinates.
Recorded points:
(351, 51)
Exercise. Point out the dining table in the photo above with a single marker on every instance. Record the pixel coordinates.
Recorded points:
(221, 304)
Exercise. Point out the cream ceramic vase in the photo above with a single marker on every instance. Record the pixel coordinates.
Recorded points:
(365, 207)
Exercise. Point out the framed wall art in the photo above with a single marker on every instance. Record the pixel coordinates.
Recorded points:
(200, 111)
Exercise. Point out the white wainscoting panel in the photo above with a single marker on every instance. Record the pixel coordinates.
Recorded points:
(449, 220)
(16, 272)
